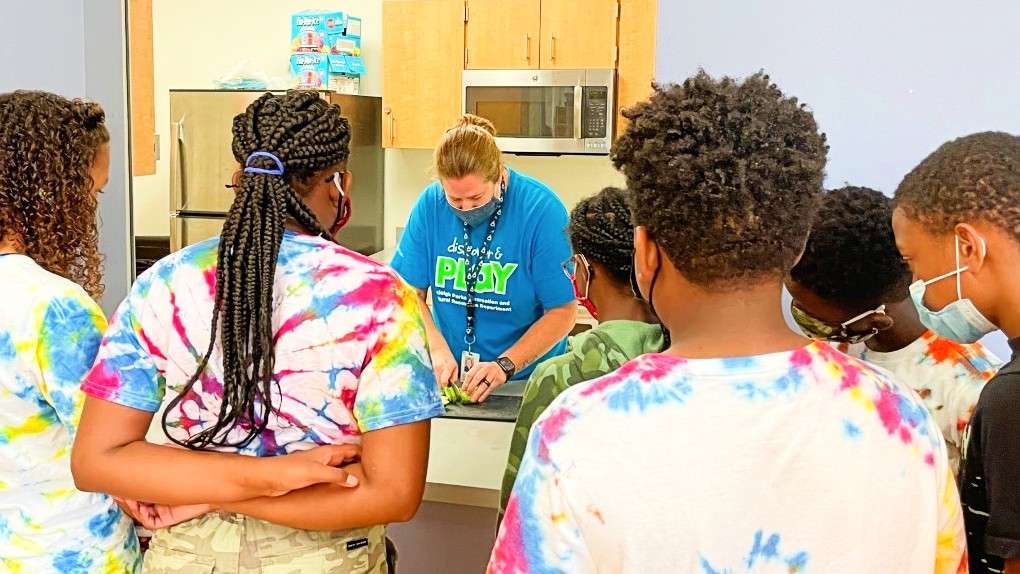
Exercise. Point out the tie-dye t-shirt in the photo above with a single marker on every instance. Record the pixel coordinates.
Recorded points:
(49, 334)
(947, 375)
(351, 355)
(806, 461)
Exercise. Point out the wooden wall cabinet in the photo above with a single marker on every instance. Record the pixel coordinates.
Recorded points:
(635, 70)
(427, 44)
(141, 88)
(423, 57)
(579, 34)
(502, 34)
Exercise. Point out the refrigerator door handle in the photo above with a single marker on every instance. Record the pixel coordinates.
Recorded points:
(178, 190)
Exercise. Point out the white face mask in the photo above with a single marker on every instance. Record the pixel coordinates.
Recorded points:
(960, 320)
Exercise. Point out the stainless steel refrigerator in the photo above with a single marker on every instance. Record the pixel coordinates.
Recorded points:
(202, 164)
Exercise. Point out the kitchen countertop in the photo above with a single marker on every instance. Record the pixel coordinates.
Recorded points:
(497, 408)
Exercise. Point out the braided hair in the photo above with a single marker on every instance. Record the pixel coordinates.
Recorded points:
(601, 230)
(308, 135)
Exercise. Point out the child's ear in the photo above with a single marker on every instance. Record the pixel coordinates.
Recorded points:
(973, 247)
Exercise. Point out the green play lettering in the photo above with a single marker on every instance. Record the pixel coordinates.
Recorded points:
(501, 275)
(493, 276)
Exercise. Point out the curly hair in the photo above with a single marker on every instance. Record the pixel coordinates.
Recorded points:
(601, 229)
(976, 177)
(851, 257)
(47, 147)
(725, 176)
(308, 135)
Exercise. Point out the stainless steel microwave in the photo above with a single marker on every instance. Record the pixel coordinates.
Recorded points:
(545, 111)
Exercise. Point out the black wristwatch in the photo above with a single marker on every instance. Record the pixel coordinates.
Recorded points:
(508, 366)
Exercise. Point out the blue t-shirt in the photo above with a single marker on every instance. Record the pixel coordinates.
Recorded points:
(523, 278)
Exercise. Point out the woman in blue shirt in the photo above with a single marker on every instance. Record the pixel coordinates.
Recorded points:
(490, 244)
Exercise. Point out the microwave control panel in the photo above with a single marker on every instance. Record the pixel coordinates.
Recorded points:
(595, 111)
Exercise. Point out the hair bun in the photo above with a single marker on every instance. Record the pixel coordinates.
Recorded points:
(477, 121)
(90, 114)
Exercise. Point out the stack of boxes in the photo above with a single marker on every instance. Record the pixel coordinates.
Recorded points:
(325, 50)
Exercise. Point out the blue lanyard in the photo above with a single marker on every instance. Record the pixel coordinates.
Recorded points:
(475, 265)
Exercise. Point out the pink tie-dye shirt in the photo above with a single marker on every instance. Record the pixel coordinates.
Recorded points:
(351, 354)
(800, 462)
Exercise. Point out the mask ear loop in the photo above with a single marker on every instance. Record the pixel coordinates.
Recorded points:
(346, 206)
(959, 271)
(587, 272)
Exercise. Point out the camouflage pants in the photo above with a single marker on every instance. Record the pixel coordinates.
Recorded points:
(224, 543)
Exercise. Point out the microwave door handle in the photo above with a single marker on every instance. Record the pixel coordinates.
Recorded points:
(578, 95)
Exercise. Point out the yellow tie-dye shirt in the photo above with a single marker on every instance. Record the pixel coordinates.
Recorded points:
(49, 335)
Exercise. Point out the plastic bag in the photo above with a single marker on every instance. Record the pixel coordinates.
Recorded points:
(243, 76)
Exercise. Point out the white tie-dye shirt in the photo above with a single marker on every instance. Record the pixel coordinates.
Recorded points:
(49, 334)
(800, 462)
(948, 376)
(350, 349)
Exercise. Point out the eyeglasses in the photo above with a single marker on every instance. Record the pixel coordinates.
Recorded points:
(815, 328)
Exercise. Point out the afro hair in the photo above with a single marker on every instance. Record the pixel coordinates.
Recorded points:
(725, 175)
(851, 257)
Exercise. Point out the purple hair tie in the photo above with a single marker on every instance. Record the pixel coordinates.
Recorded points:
(249, 169)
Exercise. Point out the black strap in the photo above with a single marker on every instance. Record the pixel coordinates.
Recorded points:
(475, 265)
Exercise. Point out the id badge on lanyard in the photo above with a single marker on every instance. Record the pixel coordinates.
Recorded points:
(469, 359)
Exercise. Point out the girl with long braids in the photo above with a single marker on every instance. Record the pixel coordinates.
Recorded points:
(54, 160)
(285, 356)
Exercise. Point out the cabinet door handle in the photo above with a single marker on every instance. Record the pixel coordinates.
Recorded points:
(527, 47)
(393, 129)
(554, 48)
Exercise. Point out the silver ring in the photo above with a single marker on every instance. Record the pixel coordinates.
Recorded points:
(486, 383)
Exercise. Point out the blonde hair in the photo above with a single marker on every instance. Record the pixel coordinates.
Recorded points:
(469, 147)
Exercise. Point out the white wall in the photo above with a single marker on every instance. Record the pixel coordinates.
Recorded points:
(197, 41)
(82, 56)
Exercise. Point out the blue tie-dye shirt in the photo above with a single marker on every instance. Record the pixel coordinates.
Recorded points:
(49, 334)
(800, 462)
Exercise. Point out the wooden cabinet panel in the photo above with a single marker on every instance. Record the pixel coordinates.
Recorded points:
(578, 34)
(502, 34)
(636, 68)
(423, 58)
(143, 103)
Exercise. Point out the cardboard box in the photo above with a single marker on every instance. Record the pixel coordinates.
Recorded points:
(310, 70)
(316, 30)
(345, 45)
(345, 73)
(352, 29)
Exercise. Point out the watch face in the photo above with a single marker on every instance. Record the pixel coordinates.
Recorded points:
(506, 364)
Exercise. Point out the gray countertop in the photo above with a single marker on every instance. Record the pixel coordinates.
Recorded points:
(498, 408)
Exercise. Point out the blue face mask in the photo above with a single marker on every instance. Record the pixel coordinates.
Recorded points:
(480, 214)
(960, 320)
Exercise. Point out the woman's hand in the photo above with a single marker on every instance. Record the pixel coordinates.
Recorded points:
(482, 379)
(320, 465)
(444, 366)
